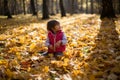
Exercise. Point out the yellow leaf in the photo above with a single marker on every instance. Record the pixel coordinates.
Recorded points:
(28, 69)
(3, 62)
(32, 46)
(92, 77)
(14, 62)
(66, 53)
(81, 54)
(46, 69)
(86, 65)
(22, 39)
(18, 56)
(75, 72)
(9, 73)
(66, 60)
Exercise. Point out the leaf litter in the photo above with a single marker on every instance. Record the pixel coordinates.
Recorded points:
(93, 51)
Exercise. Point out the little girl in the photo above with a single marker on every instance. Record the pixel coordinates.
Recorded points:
(56, 39)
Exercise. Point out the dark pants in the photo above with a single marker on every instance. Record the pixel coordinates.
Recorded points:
(58, 54)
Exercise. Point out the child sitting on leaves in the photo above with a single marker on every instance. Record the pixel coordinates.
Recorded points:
(56, 39)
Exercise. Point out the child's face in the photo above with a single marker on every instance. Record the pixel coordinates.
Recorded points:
(57, 28)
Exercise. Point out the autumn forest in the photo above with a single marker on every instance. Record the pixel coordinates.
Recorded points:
(92, 29)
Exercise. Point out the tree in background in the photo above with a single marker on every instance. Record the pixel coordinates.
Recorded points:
(24, 10)
(107, 9)
(6, 10)
(72, 7)
(14, 9)
(45, 12)
(86, 6)
(51, 7)
(33, 7)
(91, 6)
(119, 5)
(57, 6)
(81, 5)
(62, 9)
(76, 7)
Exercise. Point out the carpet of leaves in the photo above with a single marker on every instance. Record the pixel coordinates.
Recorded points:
(93, 51)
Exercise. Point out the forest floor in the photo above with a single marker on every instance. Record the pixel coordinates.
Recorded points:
(92, 53)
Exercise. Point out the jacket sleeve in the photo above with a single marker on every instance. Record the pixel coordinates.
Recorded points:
(64, 39)
(47, 42)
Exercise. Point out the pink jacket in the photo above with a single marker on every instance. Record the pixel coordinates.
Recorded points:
(53, 38)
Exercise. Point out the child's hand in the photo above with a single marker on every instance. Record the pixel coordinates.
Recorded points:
(57, 44)
(51, 47)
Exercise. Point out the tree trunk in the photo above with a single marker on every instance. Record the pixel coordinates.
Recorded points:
(57, 6)
(63, 13)
(24, 9)
(119, 6)
(14, 9)
(36, 5)
(45, 12)
(16, 5)
(91, 6)
(66, 5)
(20, 7)
(76, 8)
(33, 7)
(6, 9)
(99, 6)
(51, 7)
(81, 5)
(86, 6)
(71, 7)
(0, 7)
(107, 9)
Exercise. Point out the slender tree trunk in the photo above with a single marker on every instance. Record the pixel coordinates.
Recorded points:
(37, 8)
(99, 5)
(51, 7)
(71, 7)
(45, 12)
(119, 6)
(33, 7)
(12, 7)
(15, 7)
(57, 6)
(63, 13)
(107, 9)
(20, 8)
(86, 6)
(76, 8)
(66, 5)
(0, 8)
(81, 5)
(92, 7)
(6, 9)
(24, 8)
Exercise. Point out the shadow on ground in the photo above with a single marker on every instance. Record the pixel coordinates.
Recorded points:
(103, 60)
(6, 24)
